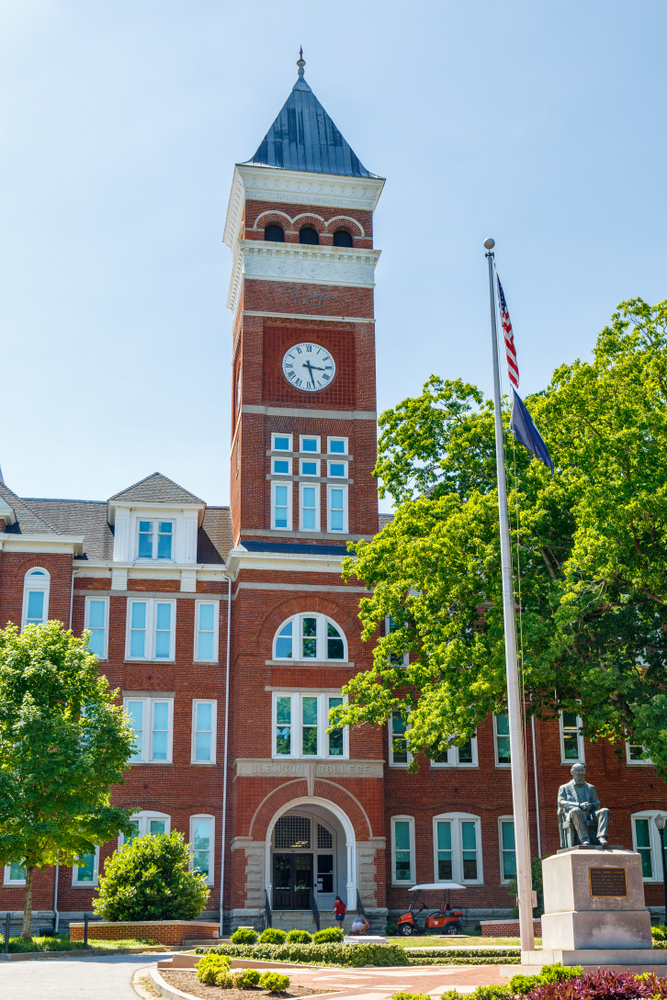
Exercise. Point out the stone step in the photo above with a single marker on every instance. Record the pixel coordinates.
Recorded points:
(302, 920)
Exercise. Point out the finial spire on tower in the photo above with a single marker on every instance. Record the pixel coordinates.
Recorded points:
(301, 62)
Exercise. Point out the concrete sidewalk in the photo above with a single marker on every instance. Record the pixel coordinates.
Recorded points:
(107, 978)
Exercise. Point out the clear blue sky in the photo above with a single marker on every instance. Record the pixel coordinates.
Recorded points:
(540, 124)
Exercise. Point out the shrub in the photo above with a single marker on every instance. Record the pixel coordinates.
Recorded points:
(149, 879)
(244, 935)
(391, 930)
(245, 979)
(210, 967)
(659, 932)
(224, 979)
(601, 985)
(364, 954)
(275, 981)
(410, 996)
(272, 935)
(328, 934)
(299, 937)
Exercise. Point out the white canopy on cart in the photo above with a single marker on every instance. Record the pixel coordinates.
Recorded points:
(436, 885)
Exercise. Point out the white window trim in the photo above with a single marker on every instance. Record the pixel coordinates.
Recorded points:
(145, 816)
(501, 820)
(96, 873)
(214, 728)
(316, 463)
(455, 819)
(581, 759)
(655, 839)
(7, 881)
(297, 723)
(147, 731)
(495, 744)
(216, 629)
(151, 622)
(334, 461)
(42, 584)
(274, 484)
(283, 451)
(322, 622)
(211, 857)
(392, 762)
(309, 437)
(344, 488)
(411, 824)
(453, 757)
(343, 454)
(309, 486)
(281, 458)
(156, 521)
(636, 763)
(105, 601)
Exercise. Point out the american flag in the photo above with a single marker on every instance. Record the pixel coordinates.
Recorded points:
(510, 349)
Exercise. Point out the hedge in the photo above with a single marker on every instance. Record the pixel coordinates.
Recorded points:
(361, 954)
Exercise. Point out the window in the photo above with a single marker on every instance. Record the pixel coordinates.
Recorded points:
(309, 235)
(338, 469)
(36, 587)
(309, 507)
(281, 442)
(310, 467)
(155, 538)
(465, 756)
(571, 738)
(310, 444)
(150, 629)
(398, 745)
(85, 873)
(337, 446)
(274, 233)
(309, 637)
(300, 723)
(457, 848)
(281, 466)
(207, 616)
(337, 508)
(152, 722)
(14, 874)
(146, 822)
(507, 848)
(395, 659)
(342, 238)
(281, 506)
(501, 731)
(204, 715)
(646, 840)
(634, 754)
(402, 850)
(201, 846)
(97, 622)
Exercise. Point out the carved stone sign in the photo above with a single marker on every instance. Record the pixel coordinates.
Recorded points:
(608, 881)
(303, 769)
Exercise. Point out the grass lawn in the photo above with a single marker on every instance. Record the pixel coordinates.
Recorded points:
(62, 943)
(455, 941)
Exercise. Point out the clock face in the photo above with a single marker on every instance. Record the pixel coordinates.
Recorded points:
(309, 367)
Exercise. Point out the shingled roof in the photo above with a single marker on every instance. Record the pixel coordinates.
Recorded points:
(157, 488)
(29, 521)
(304, 137)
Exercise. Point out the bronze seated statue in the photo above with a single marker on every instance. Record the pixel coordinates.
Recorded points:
(581, 820)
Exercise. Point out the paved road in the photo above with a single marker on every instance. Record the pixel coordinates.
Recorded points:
(105, 978)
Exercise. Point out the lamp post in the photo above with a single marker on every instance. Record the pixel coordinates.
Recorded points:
(660, 823)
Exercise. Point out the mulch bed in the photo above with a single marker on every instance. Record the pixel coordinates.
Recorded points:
(187, 982)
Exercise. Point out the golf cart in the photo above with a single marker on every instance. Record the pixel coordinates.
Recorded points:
(445, 920)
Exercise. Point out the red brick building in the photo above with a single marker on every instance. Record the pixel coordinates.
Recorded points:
(231, 633)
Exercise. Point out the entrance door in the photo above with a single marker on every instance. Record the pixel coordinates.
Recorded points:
(292, 881)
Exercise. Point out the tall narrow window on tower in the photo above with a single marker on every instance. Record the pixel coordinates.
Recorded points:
(274, 233)
(342, 238)
(309, 235)
(337, 508)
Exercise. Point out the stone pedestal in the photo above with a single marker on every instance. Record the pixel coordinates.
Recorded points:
(594, 912)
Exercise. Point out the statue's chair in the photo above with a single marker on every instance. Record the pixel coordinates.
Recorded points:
(568, 832)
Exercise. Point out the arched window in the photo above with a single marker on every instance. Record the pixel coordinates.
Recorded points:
(36, 585)
(309, 235)
(274, 233)
(309, 637)
(342, 238)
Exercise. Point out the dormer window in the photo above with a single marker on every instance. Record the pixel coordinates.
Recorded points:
(155, 538)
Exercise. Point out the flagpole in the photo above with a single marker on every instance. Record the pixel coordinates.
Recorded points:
(514, 706)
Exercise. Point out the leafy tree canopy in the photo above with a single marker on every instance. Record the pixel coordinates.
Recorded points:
(63, 744)
(592, 552)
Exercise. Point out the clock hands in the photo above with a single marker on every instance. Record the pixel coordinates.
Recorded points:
(310, 367)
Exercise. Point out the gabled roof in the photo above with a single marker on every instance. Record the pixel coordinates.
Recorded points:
(28, 520)
(304, 137)
(156, 488)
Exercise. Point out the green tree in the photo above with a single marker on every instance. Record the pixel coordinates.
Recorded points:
(592, 553)
(148, 879)
(63, 744)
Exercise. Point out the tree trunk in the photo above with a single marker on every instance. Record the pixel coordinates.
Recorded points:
(26, 934)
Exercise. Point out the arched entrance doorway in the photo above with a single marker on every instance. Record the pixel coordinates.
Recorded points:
(310, 843)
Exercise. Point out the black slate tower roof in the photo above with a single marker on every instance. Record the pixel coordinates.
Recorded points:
(304, 137)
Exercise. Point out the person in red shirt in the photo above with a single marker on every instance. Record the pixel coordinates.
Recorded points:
(339, 912)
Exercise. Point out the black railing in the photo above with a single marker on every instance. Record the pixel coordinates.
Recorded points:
(268, 909)
(314, 907)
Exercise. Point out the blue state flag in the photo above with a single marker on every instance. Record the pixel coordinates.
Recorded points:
(526, 433)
